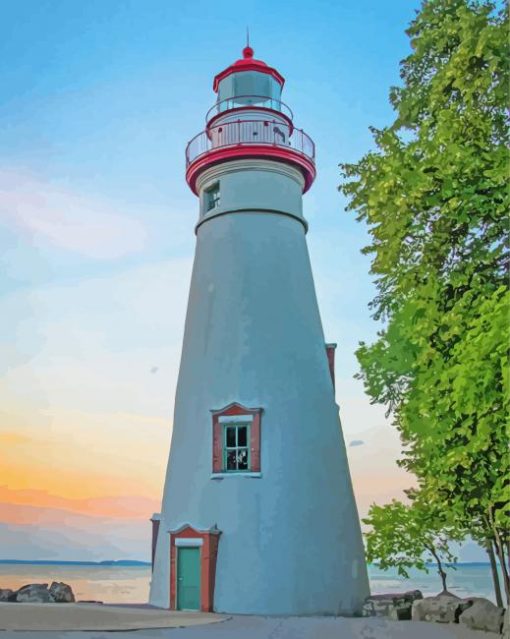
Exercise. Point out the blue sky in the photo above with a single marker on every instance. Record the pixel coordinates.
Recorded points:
(102, 97)
(97, 102)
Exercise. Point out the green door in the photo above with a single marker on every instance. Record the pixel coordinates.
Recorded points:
(188, 578)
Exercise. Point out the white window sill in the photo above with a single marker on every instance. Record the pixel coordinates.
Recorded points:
(246, 475)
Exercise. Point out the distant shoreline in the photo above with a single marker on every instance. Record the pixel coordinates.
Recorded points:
(133, 562)
(56, 562)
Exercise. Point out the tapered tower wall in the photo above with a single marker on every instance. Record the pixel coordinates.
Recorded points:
(290, 539)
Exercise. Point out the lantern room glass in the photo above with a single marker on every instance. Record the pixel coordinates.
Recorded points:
(247, 88)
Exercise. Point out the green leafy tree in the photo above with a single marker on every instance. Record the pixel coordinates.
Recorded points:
(405, 536)
(434, 196)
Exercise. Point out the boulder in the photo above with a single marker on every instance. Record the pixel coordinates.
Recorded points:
(483, 615)
(444, 608)
(34, 593)
(505, 633)
(395, 606)
(5, 593)
(61, 592)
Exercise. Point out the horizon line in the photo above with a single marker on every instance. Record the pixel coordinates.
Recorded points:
(148, 563)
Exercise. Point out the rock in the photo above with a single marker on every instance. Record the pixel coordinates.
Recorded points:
(34, 593)
(505, 633)
(483, 615)
(5, 593)
(395, 606)
(61, 592)
(444, 608)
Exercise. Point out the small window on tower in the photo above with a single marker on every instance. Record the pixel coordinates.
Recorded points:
(212, 197)
(236, 441)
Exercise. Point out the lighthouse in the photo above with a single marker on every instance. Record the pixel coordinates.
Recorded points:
(258, 514)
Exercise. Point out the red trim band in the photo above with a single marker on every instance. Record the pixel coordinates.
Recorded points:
(290, 156)
(247, 65)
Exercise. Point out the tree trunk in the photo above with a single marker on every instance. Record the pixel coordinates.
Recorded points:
(495, 576)
(500, 552)
(440, 570)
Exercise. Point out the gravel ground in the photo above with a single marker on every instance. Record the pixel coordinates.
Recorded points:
(279, 628)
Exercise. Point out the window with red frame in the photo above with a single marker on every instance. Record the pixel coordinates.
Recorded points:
(236, 439)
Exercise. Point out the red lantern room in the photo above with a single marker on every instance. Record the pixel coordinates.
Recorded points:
(249, 120)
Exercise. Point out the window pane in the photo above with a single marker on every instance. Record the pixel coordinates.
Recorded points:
(212, 197)
(251, 83)
(231, 460)
(242, 459)
(242, 436)
(231, 437)
(236, 446)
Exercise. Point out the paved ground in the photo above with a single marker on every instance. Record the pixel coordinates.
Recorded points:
(278, 628)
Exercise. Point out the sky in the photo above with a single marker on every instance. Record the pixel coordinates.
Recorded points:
(97, 103)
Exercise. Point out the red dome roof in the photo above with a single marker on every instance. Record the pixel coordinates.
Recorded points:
(248, 63)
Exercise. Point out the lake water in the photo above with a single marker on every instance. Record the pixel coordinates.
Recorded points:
(121, 584)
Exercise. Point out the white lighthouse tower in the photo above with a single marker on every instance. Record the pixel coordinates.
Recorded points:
(258, 514)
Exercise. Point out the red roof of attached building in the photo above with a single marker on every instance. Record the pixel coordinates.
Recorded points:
(248, 63)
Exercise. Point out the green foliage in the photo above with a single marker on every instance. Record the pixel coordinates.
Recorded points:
(455, 417)
(434, 196)
(408, 536)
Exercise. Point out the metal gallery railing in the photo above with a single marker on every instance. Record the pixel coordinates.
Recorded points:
(250, 132)
(243, 101)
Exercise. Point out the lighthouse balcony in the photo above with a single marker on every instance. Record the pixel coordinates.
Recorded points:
(249, 103)
(269, 138)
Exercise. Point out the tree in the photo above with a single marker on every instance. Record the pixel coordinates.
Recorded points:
(434, 196)
(405, 536)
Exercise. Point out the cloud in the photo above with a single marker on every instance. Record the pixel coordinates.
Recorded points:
(356, 442)
(61, 217)
(12, 439)
(76, 538)
(20, 506)
(92, 343)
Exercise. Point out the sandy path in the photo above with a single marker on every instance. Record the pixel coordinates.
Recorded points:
(61, 617)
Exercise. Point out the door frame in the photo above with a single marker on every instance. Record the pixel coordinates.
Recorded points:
(208, 541)
(196, 543)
